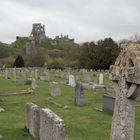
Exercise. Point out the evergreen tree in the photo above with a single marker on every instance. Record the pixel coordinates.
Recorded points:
(19, 62)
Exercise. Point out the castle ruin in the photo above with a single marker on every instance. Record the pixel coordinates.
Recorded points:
(36, 37)
(38, 33)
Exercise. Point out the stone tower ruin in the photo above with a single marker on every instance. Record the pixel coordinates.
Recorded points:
(36, 37)
(38, 33)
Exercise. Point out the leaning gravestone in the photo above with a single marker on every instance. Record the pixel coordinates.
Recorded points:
(54, 89)
(79, 95)
(51, 126)
(126, 76)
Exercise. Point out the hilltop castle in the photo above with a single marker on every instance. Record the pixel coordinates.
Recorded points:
(38, 35)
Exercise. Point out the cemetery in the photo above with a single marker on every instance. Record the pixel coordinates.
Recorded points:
(55, 86)
(61, 108)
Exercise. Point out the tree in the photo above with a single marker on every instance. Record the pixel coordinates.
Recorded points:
(87, 55)
(106, 53)
(19, 62)
(100, 55)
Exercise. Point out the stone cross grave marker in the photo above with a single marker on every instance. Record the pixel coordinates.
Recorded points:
(126, 76)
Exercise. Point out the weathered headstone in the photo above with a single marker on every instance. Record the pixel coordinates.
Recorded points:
(54, 89)
(47, 76)
(87, 78)
(126, 77)
(51, 126)
(34, 84)
(32, 119)
(72, 80)
(1, 138)
(14, 74)
(101, 76)
(24, 77)
(2, 109)
(6, 74)
(79, 95)
(77, 77)
(108, 104)
(36, 73)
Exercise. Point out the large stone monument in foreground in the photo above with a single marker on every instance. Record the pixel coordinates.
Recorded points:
(126, 76)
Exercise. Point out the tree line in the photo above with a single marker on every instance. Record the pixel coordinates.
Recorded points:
(89, 55)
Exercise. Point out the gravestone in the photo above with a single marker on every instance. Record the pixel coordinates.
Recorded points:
(72, 81)
(108, 104)
(46, 76)
(23, 77)
(77, 77)
(34, 84)
(32, 119)
(126, 76)
(1, 138)
(2, 109)
(87, 78)
(51, 126)
(54, 89)
(36, 73)
(14, 74)
(101, 76)
(6, 74)
(79, 95)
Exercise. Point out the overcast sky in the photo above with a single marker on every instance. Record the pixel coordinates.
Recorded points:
(84, 20)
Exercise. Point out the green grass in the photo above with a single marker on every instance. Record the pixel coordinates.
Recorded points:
(81, 123)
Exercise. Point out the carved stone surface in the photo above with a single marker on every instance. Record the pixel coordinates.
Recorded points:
(32, 119)
(51, 126)
(126, 77)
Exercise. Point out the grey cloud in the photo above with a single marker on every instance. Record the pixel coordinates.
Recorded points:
(84, 20)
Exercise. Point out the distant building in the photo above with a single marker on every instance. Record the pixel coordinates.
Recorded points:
(36, 37)
(64, 38)
(38, 33)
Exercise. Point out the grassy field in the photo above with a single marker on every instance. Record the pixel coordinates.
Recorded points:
(81, 123)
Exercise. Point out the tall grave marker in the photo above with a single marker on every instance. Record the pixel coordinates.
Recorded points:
(126, 76)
